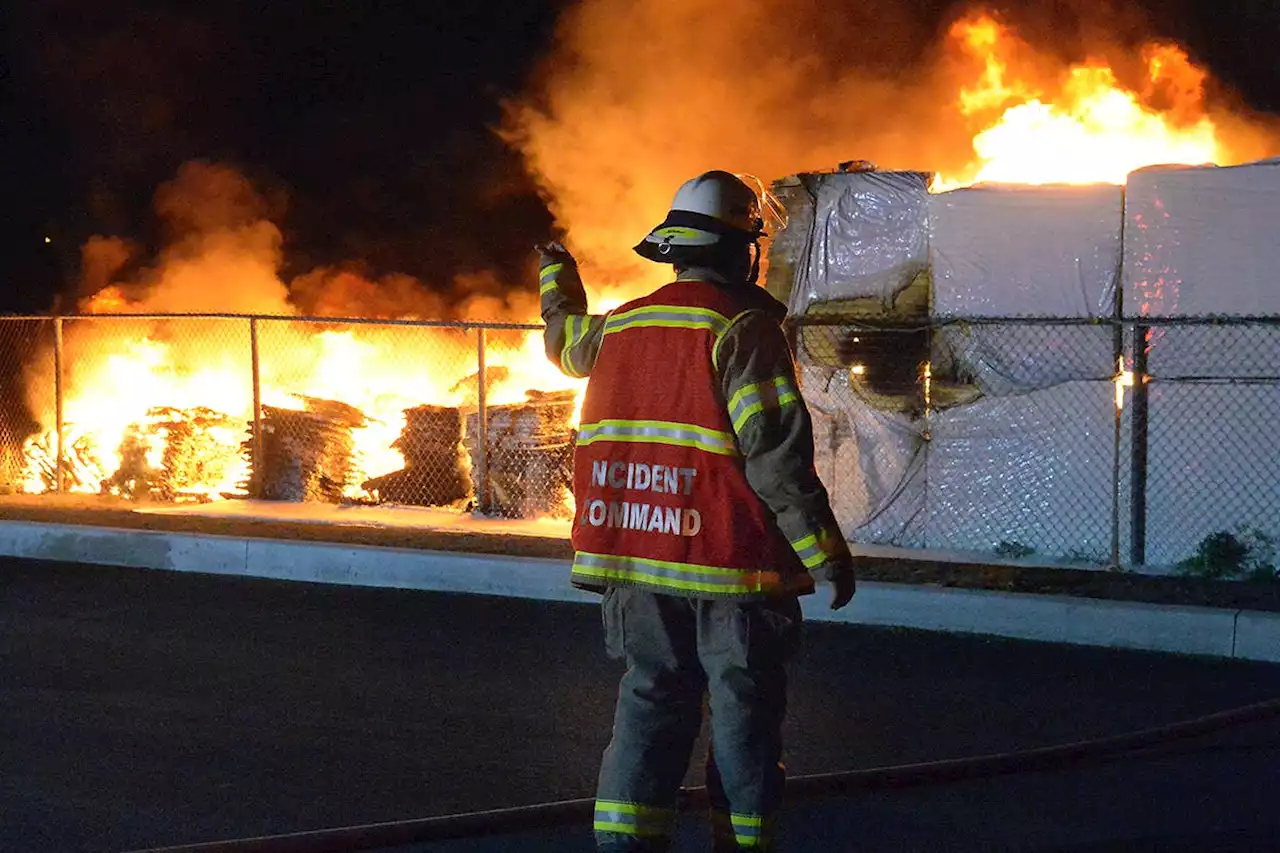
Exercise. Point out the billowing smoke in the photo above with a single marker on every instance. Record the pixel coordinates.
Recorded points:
(639, 95)
(224, 252)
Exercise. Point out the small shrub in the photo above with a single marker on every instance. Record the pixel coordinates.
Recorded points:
(1088, 558)
(1247, 553)
(1013, 550)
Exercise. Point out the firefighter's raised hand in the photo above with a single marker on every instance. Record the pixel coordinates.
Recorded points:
(553, 253)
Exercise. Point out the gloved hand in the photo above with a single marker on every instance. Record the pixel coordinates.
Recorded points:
(553, 253)
(844, 583)
(569, 294)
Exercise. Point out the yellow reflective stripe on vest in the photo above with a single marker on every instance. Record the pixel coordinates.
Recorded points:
(751, 400)
(669, 317)
(659, 432)
(684, 577)
(632, 819)
(809, 549)
(547, 287)
(576, 328)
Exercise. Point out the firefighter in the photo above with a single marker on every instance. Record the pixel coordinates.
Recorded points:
(699, 516)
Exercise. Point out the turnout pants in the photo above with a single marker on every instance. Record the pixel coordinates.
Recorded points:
(677, 650)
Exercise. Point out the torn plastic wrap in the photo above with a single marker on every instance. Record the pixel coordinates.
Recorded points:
(1029, 476)
(788, 249)
(1013, 251)
(1212, 465)
(867, 238)
(871, 462)
(1202, 242)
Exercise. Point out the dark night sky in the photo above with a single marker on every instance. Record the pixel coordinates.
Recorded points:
(372, 118)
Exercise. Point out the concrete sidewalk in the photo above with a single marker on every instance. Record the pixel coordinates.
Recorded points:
(1243, 634)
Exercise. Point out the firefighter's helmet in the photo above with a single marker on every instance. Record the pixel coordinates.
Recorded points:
(712, 211)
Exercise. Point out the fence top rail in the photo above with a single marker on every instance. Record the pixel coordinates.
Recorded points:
(465, 325)
(923, 323)
(888, 323)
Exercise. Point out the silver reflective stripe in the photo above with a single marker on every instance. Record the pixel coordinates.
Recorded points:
(751, 831)
(747, 831)
(549, 272)
(659, 432)
(751, 400)
(809, 551)
(685, 577)
(632, 819)
(576, 328)
(668, 316)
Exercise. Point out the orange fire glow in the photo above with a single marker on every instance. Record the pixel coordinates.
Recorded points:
(609, 157)
(1083, 125)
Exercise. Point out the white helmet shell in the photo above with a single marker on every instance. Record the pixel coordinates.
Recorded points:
(721, 196)
(707, 210)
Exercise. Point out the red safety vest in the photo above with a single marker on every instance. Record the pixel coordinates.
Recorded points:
(662, 498)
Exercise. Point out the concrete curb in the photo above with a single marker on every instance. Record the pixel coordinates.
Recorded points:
(1207, 631)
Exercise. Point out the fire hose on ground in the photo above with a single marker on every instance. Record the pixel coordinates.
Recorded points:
(573, 813)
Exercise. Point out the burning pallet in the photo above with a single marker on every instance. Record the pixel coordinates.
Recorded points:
(177, 455)
(81, 470)
(308, 454)
(530, 456)
(433, 472)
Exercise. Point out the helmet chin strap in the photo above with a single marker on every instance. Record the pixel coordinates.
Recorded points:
(754, 276)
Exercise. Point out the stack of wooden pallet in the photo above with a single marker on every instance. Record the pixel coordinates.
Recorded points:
(308, 454)
(433, 473)
(527, 470)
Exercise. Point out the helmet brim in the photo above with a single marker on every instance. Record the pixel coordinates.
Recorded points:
(685, 237)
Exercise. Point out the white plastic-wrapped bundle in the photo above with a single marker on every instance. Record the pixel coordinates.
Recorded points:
(1020, 251)
(1030, 474)
(1202, 242)
(1212, 465)
(871, 462)
(867, 238)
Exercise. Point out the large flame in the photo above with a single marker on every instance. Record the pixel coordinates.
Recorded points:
(777, 87)
(133, 385)
(1081, 125)
(125, 380)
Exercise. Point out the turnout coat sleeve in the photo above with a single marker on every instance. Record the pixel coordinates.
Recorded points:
(775, 435)
(572, 335)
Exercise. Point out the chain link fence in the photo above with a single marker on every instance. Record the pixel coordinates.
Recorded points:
(1053, 440)
(1022, 439)
(199, 408)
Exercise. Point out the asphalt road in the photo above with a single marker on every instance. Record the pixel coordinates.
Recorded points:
(141, 709)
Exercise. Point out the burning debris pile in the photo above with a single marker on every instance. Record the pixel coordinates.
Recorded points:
(319, 453)
(530, 447)
(156, 406)
(171, 454)
(81, 468)
(177, 455)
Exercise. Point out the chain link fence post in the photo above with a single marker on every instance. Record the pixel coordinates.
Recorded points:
(255, 462)
(1139, 449)
(482, 427)
(1117, 440)
(57, 405)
